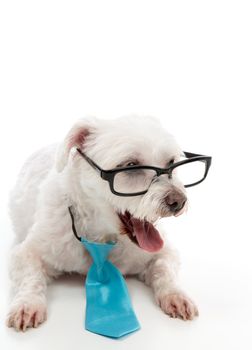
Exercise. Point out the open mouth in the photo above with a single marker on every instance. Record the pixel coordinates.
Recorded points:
(141, 232)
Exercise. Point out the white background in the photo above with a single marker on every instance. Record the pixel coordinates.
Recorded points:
(186, 62)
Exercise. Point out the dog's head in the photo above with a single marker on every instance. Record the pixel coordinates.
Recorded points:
(127, 142)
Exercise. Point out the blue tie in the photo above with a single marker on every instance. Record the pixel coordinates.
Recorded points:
(109, 310)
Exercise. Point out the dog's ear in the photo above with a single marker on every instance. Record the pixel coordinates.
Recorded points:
(75, 138)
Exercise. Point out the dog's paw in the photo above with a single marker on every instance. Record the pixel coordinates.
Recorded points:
(27, 314)
(178, 305)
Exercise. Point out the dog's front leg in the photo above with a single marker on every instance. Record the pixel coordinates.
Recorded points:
(161, 275)
(29, 279)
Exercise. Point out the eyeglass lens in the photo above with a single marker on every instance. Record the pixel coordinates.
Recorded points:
(133, 181)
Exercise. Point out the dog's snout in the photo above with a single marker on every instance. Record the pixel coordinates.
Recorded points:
(175, 201)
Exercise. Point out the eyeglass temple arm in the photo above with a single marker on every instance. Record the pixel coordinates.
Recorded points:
(91, 162)
(192, 155)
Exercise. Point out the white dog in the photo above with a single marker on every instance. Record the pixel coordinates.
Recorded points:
(57, 177)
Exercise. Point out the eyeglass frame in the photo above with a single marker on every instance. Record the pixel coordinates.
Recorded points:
(109, 175)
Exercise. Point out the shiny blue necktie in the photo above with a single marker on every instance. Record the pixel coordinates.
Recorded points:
(109, 310)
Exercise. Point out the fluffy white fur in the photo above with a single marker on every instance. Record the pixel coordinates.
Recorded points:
(56, 177)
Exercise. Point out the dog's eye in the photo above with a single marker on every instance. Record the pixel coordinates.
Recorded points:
(171, 162)
(128, 164)
(131, 164)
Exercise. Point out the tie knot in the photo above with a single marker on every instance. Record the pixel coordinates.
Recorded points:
(99, 253)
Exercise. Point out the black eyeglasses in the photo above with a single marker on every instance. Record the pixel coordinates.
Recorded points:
(135, 180)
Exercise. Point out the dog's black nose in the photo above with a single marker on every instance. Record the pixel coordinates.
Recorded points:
(175, 201)
(176, 207)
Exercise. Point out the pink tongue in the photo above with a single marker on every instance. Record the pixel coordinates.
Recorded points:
(147, 236)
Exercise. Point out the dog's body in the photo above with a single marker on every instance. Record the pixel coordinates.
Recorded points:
(57, 177)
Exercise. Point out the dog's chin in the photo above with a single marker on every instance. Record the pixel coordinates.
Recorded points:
(169, 214)
(141, 232)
